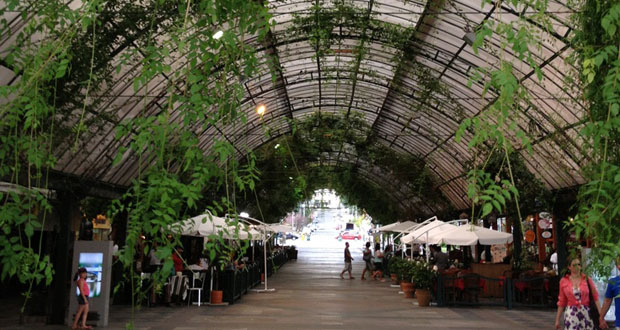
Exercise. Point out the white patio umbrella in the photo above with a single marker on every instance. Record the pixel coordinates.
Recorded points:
(278, 228)
(389, 227)
(253, 232)
(404, 227)
(201, 226)
(429, 233)
(470, 235)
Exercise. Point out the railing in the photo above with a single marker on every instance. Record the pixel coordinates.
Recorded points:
(474, 289)
(238, 282)
(535, 291)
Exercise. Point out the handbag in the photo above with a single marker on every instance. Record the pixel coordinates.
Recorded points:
(594, 315)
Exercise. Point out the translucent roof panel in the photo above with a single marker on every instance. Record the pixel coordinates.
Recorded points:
(362, 69)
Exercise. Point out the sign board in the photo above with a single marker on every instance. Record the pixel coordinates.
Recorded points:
(544, 223)
(96, 257)
(530, 236)
(101, 222)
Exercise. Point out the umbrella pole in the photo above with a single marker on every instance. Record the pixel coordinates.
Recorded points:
(265, 265)
(211, 286)
(428, 249)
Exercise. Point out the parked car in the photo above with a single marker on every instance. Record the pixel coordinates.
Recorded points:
(291, 236)
(349, 235)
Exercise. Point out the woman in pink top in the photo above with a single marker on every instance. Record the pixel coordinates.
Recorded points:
(574, 299)
(82, 299)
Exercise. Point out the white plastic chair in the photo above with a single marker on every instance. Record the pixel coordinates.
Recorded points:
(198, 282)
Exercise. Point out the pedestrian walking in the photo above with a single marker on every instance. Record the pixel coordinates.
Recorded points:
(378, 263)
(347, 262)
(368, 261)
(576, 291)
(612, 293)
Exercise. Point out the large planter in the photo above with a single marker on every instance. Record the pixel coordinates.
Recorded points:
(424, 297)
(216, 296)
(394, 279)
(408, 289)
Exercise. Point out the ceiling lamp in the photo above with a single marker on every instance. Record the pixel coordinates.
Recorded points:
(260, 109)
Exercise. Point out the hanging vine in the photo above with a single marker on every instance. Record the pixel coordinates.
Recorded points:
(496, 128)
(62, 82)
(292, 166)
(597, 42)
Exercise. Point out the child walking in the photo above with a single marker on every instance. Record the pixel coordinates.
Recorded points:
(82, 299)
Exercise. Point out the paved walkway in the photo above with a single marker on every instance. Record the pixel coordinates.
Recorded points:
(310, 295)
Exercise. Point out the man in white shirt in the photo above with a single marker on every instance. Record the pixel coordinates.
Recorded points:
(554, 261)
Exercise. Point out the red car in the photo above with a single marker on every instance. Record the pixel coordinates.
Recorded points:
(349, 235)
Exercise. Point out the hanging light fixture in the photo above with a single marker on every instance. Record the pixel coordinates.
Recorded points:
(470, 35)
(260, 109)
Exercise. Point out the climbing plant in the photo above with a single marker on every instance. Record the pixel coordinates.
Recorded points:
(28, 135)
(292, 167)
(55, 101)
(597, 42)
(201, 94)
(327, 26)
(496, 128)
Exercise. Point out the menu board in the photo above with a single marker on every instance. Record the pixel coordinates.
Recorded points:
(93, 262)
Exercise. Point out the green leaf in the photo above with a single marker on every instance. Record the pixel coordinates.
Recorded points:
(486, 209)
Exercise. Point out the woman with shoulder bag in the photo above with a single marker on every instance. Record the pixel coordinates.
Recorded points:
(577, 300)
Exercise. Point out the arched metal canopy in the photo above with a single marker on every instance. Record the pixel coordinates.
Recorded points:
(384, 87)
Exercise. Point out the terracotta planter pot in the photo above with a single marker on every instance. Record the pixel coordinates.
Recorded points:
(408, 289)
(394, 279)
(216, 296)
(424, 297)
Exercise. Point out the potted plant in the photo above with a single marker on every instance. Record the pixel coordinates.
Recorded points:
(221, 255)
(424, 277)
(400, 268)
(394, 265)
(407, 284)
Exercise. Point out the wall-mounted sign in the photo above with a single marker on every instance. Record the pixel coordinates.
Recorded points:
(101, 222)
(530, 236)
(546, 234)
(545, 215)
(544, 223)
